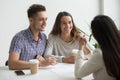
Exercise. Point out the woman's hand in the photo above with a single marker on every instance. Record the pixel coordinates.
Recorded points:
(82, 43)
(46, 62)
(70, 59)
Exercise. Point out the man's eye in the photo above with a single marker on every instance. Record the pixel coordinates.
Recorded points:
(43, 19)
(46, 19)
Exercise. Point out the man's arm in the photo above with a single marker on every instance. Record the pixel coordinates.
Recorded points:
(15, 63)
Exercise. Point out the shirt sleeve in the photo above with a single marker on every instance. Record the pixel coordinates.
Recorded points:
(86, 67)
(16, 45)
(44, 37)
(49, 49)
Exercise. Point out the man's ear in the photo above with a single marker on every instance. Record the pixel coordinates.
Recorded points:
(31, 20)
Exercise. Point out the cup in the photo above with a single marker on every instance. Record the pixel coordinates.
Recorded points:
(74, 52)
(34, 63)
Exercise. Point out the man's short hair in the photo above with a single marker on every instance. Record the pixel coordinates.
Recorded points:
(33, 9)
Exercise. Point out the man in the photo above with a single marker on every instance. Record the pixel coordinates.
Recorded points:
(30, 43)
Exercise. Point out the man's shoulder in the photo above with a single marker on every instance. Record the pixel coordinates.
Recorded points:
(20, 34)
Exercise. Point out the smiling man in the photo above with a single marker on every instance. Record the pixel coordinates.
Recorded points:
(30, 43)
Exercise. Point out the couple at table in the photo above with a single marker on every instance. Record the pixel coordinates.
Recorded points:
(32, 42)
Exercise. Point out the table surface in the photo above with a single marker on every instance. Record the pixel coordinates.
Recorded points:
(61, 71)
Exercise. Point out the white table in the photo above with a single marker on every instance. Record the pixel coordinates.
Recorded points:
(61, 71)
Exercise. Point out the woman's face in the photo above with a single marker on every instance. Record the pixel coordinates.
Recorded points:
(66, 25)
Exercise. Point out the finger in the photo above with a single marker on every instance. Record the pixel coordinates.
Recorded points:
(54, 63)
(53, 58)
(85, 40)
(37, 56)
(80, 39)
(41, 58)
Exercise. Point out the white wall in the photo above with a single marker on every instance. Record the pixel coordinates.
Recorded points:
(13, 17)
(112, 9)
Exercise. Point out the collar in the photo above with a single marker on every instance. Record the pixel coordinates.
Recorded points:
(30, 35)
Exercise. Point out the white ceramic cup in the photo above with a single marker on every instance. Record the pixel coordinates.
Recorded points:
(34, 64)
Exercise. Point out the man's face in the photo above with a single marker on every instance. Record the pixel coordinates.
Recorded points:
(38, 22)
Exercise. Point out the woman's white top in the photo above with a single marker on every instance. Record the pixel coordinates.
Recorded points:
(58, 48)
(94, 64)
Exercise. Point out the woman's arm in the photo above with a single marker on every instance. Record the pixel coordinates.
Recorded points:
(86, 67)
(49, 49)
(87, 49)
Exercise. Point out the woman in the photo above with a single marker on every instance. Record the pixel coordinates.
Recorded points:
(63, 38)
(105, 61)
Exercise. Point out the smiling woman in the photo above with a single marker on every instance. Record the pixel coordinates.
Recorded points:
(63, 38)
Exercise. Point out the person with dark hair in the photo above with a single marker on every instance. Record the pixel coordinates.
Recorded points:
(105, 61)
(30, 43)
(63, 38)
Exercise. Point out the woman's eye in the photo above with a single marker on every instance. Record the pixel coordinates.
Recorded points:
(70, 22)
(64, 23)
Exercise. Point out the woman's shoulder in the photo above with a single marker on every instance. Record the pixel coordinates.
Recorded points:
(52, 37)
(96, 57)
(98, 51)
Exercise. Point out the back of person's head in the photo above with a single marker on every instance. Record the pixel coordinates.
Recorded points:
(106, 33)
(33, 9)
(57, 25)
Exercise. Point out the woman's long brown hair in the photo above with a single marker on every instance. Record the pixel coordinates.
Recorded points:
(57, 25)
(106, 33)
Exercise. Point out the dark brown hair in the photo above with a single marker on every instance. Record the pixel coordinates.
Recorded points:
(106, 33)
(57, 25)
(33, 9)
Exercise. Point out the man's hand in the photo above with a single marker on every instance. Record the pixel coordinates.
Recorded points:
(46, 62)
(51, 60)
